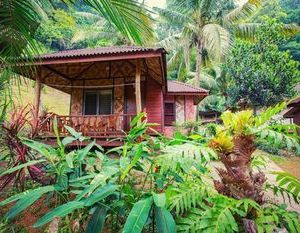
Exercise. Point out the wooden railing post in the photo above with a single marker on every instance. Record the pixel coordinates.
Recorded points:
(138, 87)
(37, 94)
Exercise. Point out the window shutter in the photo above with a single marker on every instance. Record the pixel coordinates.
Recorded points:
(105, 102)
(169, 114)
(90, 103)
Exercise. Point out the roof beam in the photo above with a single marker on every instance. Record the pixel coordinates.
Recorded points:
(84, 70)
(58, 73)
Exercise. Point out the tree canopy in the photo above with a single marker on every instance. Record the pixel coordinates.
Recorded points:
(259, 73)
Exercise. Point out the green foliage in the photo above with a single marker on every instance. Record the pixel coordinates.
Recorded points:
(266, 75)
(199, 33)
(25, 199)
(287, 184)
(59, 211)
(184, 157)
(164, 220)
(217, 215)
(273, 218)
(138, 216)
(187, 196)
(97, 220)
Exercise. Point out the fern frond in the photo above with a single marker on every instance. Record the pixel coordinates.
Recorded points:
(258, 161)
(216, 216)
(279, 138)
(187, 196)
(184, 156)
(274, 217)
(289, 182)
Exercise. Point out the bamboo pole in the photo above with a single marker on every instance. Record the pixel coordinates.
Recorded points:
(37, 95)
(138, 99)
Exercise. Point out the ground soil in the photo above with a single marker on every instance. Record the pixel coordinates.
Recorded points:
(288, 164)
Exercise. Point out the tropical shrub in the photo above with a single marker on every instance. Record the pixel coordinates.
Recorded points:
(235, 143)
(157, 185)
(19, 159)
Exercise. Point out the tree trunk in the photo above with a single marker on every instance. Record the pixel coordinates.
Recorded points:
(198, 63)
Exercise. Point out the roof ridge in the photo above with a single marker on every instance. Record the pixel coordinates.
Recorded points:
(65, 51)
(188, 85)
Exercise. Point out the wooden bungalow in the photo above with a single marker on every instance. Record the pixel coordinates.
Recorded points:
(109, 86)
(293, 112)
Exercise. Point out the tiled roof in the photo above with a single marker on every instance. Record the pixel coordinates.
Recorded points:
(294, 102)
(113, 50)
(180, 87)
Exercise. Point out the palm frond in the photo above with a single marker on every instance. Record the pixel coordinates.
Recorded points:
(216, 41)
(128, 16)
(272, 217)
(245, 30)
(18, 22)
(174, 17)
(213, 103)
(291, 29)
(242, 12)
(269, 113)
(175, 59)
(171, 42)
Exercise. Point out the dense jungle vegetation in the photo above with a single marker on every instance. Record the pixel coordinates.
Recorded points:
(206, 178)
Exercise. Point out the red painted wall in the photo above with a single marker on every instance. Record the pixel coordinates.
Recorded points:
(154, 103)
(190, 108)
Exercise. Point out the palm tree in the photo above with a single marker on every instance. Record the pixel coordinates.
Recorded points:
(204, 26)
(20, 19)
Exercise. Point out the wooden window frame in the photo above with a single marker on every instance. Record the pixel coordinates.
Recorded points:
(97, 91)
(173, 115)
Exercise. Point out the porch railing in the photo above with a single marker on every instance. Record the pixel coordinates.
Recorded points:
(89, 125)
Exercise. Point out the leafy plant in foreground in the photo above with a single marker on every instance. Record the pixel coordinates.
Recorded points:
(19, 159)
(235, 143)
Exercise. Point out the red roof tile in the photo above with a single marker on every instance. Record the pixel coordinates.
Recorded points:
(294, 102)
(180, 87)
(99, 51)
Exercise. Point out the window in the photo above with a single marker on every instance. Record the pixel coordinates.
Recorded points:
(169, 114)
(98, 102)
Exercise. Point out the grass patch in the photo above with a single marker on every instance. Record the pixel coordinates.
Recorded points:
(52, 100)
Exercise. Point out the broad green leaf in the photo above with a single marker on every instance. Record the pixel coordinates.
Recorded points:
(42, 148)
(83, 152)
(138, 216)
(26, 193)
(68, 140)
(96, 223)
(136, 119)
(164, 220)
(159, 199)
(100, 194)
(26, 199)
(59, 211)
(70, 158)
(73, 132)
(16, 168)
(135, 159)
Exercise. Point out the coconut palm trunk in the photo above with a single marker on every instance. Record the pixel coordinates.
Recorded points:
(198, 63)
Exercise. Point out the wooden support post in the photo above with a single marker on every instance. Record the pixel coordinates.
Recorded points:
(37, 95)
(138, 99)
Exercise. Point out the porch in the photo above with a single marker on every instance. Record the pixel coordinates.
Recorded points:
(107, 88)
(102, 128)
